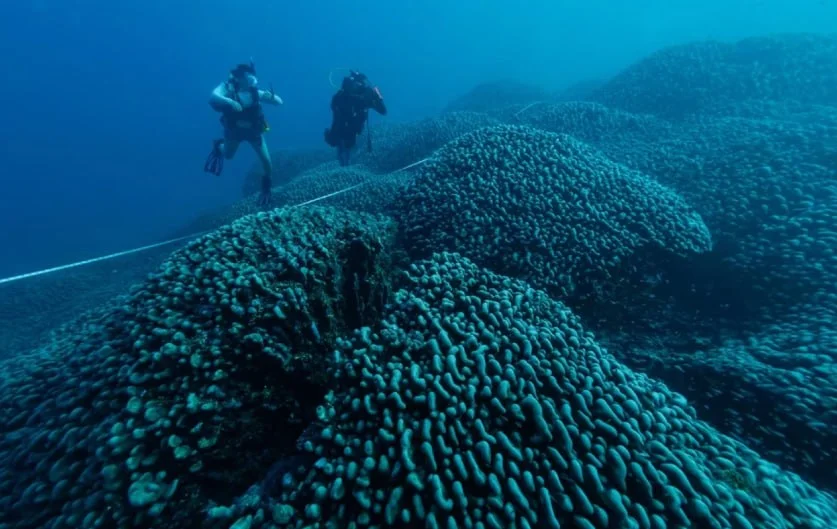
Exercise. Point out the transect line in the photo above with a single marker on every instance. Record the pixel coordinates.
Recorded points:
(527, 107)
(171, 241)
(97, 259)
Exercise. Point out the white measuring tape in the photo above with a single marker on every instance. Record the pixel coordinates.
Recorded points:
(527, 107)
(185, 237)
(97, 259)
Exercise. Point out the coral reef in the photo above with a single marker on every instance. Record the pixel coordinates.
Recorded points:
(682, 80)
(605, 313)
(480, 402)
(189, 388)
(543, 207)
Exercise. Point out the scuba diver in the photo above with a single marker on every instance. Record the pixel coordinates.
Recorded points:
(239, 100)
(350, 112)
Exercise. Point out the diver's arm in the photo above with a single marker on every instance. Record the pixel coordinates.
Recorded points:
(219, 100)
(270, 97)
(375, 101)
(380, 107)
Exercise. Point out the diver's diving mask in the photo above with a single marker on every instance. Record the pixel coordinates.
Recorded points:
(250, 80)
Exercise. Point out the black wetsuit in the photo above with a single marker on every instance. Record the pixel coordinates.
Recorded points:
(247, 125)
(350, 111)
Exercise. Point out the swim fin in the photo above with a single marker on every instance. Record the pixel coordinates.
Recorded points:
(215, 161)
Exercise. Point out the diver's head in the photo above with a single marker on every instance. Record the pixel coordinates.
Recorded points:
(244, 75)
(355, 82)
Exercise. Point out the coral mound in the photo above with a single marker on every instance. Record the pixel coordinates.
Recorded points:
(289, 370)
(482, 403)
(596, 124)
(543, 207)
(682, 80)
(187, 391)
(774, 387)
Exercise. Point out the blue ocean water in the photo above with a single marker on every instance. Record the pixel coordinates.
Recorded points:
(105, 147)
(582, 275)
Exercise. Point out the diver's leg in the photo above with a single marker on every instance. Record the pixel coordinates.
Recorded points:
(343, 153)
(229, 145)
(349, 145)
(229, 148)
(260, 146)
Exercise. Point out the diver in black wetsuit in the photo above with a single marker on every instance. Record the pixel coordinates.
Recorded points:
(350, 112)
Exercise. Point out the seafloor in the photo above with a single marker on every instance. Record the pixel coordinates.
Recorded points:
(608, 308)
